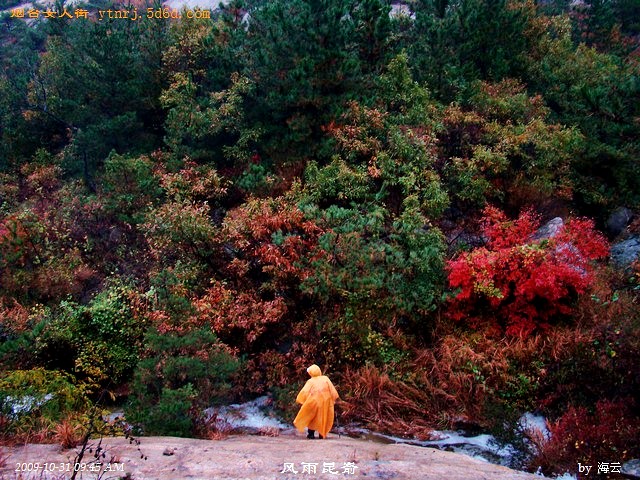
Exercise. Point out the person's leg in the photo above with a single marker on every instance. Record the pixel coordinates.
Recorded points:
(311, 433)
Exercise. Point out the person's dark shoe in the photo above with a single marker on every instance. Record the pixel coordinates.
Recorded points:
(310, 434)
(320, 437)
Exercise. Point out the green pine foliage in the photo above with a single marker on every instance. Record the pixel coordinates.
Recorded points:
(96, 86)
(598, 93)
(181, 374)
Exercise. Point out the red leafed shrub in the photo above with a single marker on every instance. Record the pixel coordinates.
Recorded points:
(259, 308)
(275, 236)
(231, 313)
(13, 316)
(41, 180)
(609, 434)
(37, 259)
(521, 283)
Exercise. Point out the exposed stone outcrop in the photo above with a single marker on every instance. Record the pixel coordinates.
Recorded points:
(624, 253)
(618, 221)
(631, 469)
(549, 229)
(258, 458)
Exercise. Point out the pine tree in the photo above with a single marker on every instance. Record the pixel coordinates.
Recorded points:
(97, 84)
(18, 61)
(456, 42)
(302, 58)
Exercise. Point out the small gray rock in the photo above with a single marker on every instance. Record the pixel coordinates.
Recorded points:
(549, 229)
(115, 235)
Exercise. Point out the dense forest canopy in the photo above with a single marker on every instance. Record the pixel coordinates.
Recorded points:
(194, 210)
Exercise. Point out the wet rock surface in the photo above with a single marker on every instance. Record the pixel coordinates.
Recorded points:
(631, 469)
(257, 458)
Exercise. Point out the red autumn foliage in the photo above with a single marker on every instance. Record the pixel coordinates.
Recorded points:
(274, 235)
(519, 283)
(257, 309)
(609, 434)
(231, 312)
(14, 317)
(41, 180)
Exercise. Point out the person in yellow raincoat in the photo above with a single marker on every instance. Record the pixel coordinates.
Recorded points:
(317, 398)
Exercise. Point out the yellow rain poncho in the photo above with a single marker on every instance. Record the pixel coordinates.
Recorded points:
(317, 398)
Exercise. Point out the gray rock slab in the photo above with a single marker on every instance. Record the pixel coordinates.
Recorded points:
(262, 458)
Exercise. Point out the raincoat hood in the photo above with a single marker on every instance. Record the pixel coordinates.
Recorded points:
(314, 370)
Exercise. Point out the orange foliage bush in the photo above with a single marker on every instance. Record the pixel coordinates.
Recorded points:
(453, 383)
(275, 236)
(232, 313)
(464, 373)
(14, 317)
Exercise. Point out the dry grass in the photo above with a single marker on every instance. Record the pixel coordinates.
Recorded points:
(269, 432)
(216, 429)
(217, 435)
(36, 435)
(68, 434)
(395, 407)
(560, 343)
(353, 456)
(39, 430)
(443, 386)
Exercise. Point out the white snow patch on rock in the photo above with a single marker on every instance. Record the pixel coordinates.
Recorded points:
(249, 415)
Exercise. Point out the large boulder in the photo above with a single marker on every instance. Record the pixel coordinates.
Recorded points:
(618, 221)
(263, 458)
(624, 253)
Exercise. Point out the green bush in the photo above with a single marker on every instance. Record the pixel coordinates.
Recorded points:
(256, 179)
(99, 342)
(36, 398)
(184, 374)
(172, 414)
(129, 187)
